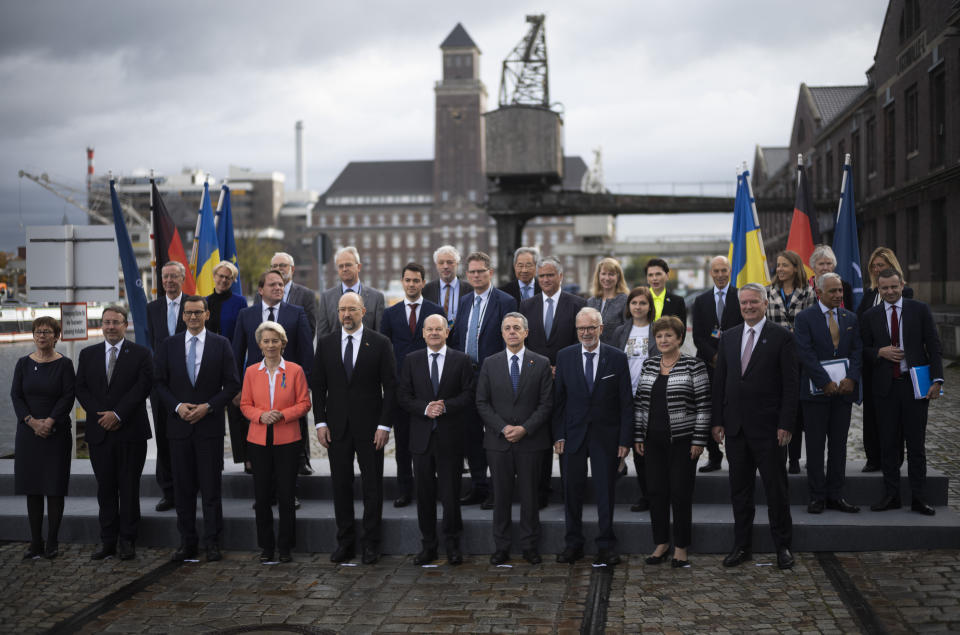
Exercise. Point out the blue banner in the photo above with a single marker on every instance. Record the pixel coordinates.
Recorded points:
(133, 284)
(225, 239)
(846, 245)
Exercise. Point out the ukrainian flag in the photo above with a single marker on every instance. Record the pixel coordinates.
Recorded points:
(208, 250)
(748, 261)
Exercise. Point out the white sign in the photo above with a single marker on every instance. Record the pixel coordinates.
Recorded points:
(73, 321)
(72, 263)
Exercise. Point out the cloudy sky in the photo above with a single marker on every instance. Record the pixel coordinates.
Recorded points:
(672, 91)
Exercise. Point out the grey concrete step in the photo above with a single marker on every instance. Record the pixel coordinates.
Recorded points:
(712, 528)
(711, 488)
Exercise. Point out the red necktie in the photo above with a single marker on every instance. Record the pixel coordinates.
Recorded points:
(413, 318)
(895, 337)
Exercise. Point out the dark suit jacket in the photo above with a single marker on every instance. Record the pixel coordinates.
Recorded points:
(306, 299)
(217, 384)
(157, 319)
(530, 407)
(396, 327)
(705, 321)
(366, 401)
(870, 296)
(814, 345)
(126, 395)
(415, 391)
(921, 342)
(674, 305)
(564, 331)
(606, 413)
(328, 320)
(490, 340)
(292, 318)
(512, 289)
(766, 397)
(431, 291)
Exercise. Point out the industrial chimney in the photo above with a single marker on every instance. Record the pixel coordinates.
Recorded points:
(301, 168)
(89, 173)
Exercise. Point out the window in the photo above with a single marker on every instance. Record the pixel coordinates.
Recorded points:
(938, 119)
(367, 240)
(889, 146)
(910, 114)
(871, 145)
(411, 240)
(381, 241)
(829, 181)
(909, 19)
(395, 241)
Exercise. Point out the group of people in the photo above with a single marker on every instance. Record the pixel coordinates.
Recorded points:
(502, 378)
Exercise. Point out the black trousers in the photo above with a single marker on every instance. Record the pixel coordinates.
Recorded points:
(404, 459)
(828, 423)
(118, 466)
(796, 441)
(197, 466)
(603, 467)
(238, 425)
(640, 465)
(515, 471)
(714, 455)
(164, 467)
(275, 470)
(437, 473)
(473, 448)
(899, 415)
(340, 454)
(671, 475)
(746, 457)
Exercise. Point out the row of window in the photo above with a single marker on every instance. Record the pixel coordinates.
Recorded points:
(384, 199)
(409, 219)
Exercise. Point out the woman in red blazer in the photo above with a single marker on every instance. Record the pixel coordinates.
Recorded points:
(274, 397)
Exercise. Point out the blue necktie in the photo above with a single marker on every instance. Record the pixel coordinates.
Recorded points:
(548, 318)
(192, 361)
(435, 374)
(171, 318)
(527, 292)
(515, 373)
(588, 371)
(348, 358)
(473, 332)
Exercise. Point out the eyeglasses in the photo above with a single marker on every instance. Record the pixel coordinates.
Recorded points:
(43, 332)
(193, 313)
(587, 329)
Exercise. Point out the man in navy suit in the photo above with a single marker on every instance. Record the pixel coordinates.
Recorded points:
(477, 333)
(293, 318)
(196, 377)
(165, 317)
(827, 332)
(898, 335)
(113, 382)
(403, 325)
(447, 289)
(592, 418)
(714, 311)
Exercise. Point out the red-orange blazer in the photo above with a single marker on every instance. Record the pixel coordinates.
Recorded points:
(291, 397)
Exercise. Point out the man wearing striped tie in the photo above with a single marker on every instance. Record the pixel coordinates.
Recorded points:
(448, 288)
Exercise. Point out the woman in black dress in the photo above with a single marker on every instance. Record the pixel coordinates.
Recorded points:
(43, 395)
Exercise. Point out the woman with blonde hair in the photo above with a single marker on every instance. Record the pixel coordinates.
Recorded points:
(608, 294)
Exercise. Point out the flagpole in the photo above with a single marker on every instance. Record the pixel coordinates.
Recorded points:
(843, 187)
(216, 215)
(196, 230)
(153, 244)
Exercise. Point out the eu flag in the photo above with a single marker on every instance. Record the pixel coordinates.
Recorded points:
(846, 245)
(133, 284)
(225, 239)
(208, 251)
(748, 261)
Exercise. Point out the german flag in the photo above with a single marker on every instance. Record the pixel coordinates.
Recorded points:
(804, 228)
(166, 242)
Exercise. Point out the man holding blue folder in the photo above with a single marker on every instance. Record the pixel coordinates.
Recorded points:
(830, 351)
(900, 335)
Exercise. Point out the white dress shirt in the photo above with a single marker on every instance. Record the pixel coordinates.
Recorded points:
(177, 307)
(887, 307)
(756, 334)
(266, 312)
(201, 338)
(107, 346)
(519, 355)
(556, 300)
(272, 376)
(596, 360)
(441, 357)
(409, 303)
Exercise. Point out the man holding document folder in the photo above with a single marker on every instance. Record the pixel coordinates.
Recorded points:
(830, 351)
(899, 336)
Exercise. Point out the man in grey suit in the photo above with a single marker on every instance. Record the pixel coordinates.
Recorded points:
(348, 268)
(294, 293)
(514, 400)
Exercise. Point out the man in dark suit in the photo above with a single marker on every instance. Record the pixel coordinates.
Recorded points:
(514, 399)
(714, 311)
(403, 326)
(113, 382)
(592, 418)
(525, 285)
(448, 288)
(552, 316)
(826, 332)
(299, 349)
(348, 269)
(296, 294)
(196, 377)
(354, 389)
(898, 335)
(477, 333)
(664, 302)
(436, 388)
(165, 317)
(755, 392)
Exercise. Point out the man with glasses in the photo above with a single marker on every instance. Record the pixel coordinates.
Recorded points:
(294, 293)
(525, 285)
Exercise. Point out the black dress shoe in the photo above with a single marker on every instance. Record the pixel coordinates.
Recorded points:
(499, 557)
(870, 467)
(679, 564)
(608, 557)
(35, 550)
(738, 556)
(454, 556)
(52, 550)
(921, 506)
(185, 552)
(305, 469)
(815, 507)
(213, 552)
(164, 504)
(711, 466)
(266, 555)
(841, 505)
(425, 557)
(641, 505)
(658, 559)
(569, 555)
(487, 502)
(296, 502)
(104, 552)
(342, 553)
(473, 497)
(370, 555)
(126, 550)
(247, 469)
(784, 558)
(532, 556)
(887, 502)
(285, 557)
(402, 501)
(794, 467)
